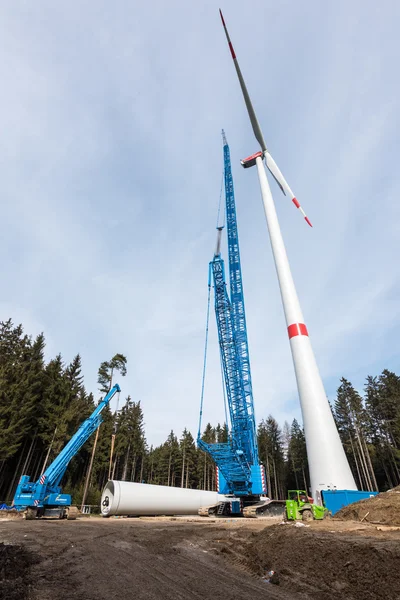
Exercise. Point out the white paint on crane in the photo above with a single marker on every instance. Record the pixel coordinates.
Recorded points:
(141, 499)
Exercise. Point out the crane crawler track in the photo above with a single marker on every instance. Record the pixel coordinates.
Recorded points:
(214, 510)
(265, 508)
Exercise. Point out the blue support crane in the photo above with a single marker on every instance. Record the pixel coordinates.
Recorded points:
(43, 497)
(239, 472)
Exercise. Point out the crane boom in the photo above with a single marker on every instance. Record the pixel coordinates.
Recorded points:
(44, 495)
(237, 295)
(55, 472)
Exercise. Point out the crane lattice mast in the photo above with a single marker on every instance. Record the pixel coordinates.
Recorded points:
(239, 471)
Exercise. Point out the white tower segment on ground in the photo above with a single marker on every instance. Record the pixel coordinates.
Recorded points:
(328, 463)
(128, 498)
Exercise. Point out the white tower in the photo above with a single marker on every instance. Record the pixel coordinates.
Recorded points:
(328, 463)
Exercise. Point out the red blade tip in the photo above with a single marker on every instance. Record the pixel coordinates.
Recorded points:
(222, 17)
(308, 221)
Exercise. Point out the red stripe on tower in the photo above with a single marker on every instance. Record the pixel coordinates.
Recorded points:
(303, 329)
(297, 329)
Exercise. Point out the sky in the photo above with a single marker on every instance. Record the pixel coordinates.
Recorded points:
(110, 177)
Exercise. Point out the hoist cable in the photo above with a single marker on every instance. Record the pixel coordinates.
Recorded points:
(205, 359)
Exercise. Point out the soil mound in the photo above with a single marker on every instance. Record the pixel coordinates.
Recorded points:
(15, 563)
(325, 565)
(383, 508)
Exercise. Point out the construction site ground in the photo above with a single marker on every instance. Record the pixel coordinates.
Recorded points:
(182, 558)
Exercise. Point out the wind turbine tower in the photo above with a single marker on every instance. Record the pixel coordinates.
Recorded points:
(329, 468)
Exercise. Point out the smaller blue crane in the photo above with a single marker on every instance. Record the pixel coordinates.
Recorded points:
(43, 498)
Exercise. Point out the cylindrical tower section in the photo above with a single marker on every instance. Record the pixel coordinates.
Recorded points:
(327, 460)
(140, 499)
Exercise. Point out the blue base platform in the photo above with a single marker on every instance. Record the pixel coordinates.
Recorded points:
(334, 500)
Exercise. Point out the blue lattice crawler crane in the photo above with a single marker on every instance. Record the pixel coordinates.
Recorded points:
(240, 475)
(43, 498)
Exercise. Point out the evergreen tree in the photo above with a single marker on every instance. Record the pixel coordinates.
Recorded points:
(188, 462)
(206, 466)
(130, 447)
(14, 348)
(271, 454)
(351, 423)
(382, 424)
(297, 465)
(107, 370)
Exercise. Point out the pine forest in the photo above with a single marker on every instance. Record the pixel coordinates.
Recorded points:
(42, 405)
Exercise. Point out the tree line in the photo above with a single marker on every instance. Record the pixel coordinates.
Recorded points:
(42, 405)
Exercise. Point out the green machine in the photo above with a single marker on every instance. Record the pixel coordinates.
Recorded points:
(299, 506)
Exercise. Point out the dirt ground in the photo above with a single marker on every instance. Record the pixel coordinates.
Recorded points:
(183, 558)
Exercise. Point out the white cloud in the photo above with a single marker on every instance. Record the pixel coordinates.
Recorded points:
(110, 165)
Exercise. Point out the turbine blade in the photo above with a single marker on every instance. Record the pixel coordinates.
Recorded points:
(271, 164)
(252, 115)
(283, 184)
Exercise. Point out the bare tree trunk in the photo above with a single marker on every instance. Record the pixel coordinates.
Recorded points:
(10, 492)
(169, 466)
(205, 471)
(268, 478)
(125, 469)
(304, 479)
(295, 474)
(371, 468)
(30, 465)
(187, 473)
(364, 462)
(28, 457)
(364, 479)
(48, 452)
(275, 481)
(183, 467)
(355, 460)
(281, 490)
(17, 473)
(151, 468)
(383, 463)
(133, 471)
(396, 468)
(111, 455)
(141, 469)
(116, 462)
(90, 469)
(35, 476)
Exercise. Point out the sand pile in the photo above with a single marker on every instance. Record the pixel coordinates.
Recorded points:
(383, 509)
